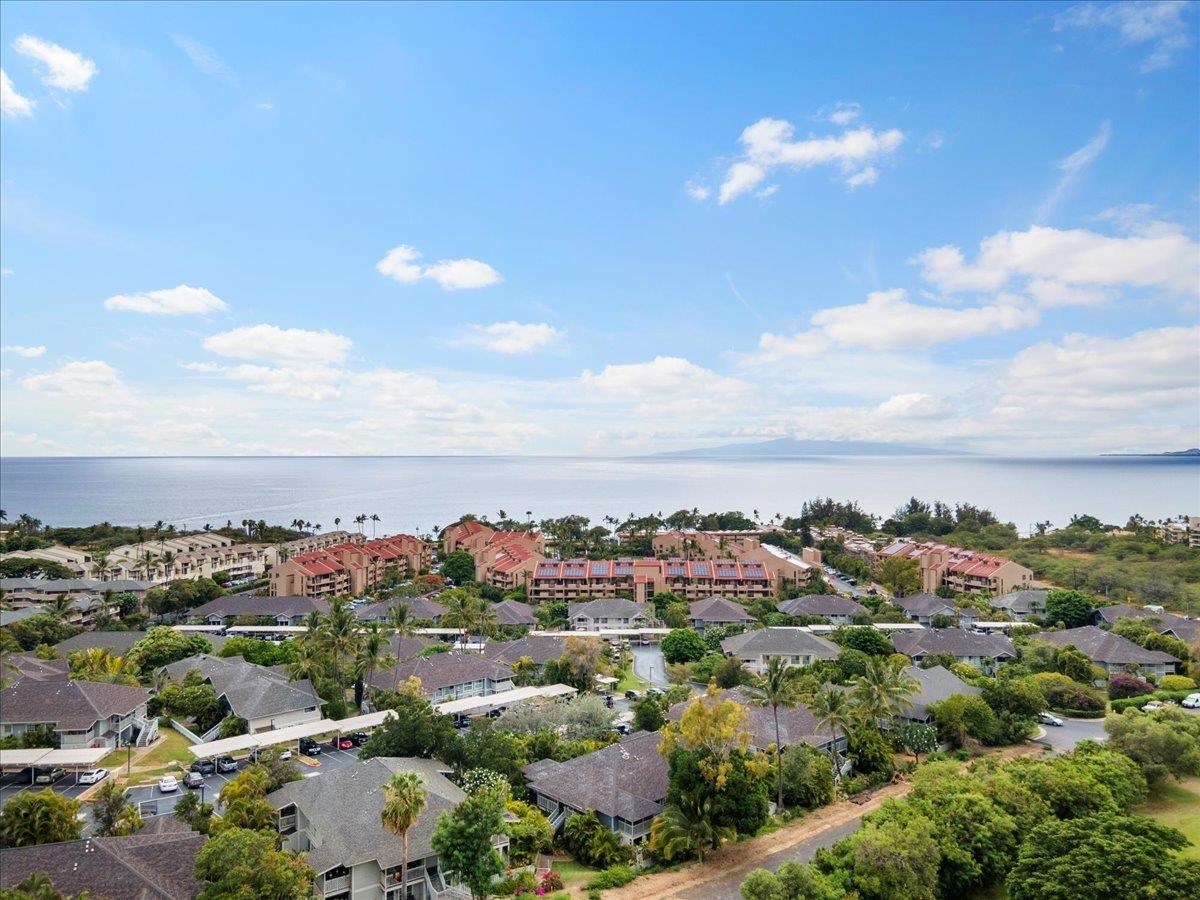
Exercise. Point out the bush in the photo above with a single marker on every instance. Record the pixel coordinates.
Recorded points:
(1123, 686)
(552, 881)
(612, 877)
(1176, 683)
(1139, 702)
(870, 753)
(683, 645)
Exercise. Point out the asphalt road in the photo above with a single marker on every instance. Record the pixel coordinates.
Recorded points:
(648, 662)
(13, 783)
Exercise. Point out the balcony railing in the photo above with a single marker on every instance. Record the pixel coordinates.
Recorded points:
(336, 885)
(287, 824)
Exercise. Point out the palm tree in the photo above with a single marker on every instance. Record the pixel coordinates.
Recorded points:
(779, 688)
(338, 636)
(835, 713)
(375, 520)
(59, 606)
(371, 656)
(687, 827)
(359, 520)
(337, 522)
(884, 690)
(99, 665)
(404, 801)
(100, 565)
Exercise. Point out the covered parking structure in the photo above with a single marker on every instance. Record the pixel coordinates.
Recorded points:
(76, 761)
(474, 705)
(289, 735)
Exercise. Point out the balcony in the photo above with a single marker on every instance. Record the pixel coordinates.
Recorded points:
(287, 824)
(335, 885)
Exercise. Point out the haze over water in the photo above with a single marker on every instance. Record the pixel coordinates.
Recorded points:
(411, 493)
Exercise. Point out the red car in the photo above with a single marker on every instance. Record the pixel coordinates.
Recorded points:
(341, 743)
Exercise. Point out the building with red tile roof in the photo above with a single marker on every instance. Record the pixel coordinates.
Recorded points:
(962, 571)
(349, 567)
(641, 579)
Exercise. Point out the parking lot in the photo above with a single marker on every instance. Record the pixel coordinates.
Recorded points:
(13, 783)
(153, 802)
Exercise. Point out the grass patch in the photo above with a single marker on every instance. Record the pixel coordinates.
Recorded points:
(168, 757)
(1177, 804)
(631, 682)
(574, 874)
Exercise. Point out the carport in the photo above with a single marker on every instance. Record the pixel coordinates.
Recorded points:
(289, 735)
(76, 761)
(474, 705)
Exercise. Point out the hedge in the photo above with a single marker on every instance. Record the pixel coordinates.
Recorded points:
(1139, 702)
(612, 877)
(1087, 713)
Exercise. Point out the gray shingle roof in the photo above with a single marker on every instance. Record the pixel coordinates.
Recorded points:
(820, 605)
(154, 864)
(923, 605)
(718, 609)
(343, 807)
(443, 670)
(1023, 602)
(541, 648)
(1105, 647)
(252, 692)
(69, 705)
(250, 605)
(955, 641)
(937, 683)
(514, 612)
(607, 607)
(792, 641)
(28, 665)
(420, 609)
(66, 585)
(116, 642)
(1187, 630)
(627, 779)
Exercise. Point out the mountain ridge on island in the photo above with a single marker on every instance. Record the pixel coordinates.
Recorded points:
(788, 446)
(1191, 451)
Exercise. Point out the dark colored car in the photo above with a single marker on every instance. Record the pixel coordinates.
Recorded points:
(341, 743)
(359, 738)
(204, 767)
(461, 721)
(226, 764)
(309, 747)
(631, 695)
(193, 780)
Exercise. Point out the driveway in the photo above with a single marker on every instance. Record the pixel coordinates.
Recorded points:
(1062, 738)
(648, 662)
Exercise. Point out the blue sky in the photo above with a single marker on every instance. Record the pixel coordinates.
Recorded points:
(598, 229)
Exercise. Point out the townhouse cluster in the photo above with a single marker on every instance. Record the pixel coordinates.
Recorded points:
(351, 565)
(962, 571)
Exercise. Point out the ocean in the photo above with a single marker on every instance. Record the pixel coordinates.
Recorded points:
(418, 493)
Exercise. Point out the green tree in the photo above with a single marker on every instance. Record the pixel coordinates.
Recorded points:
(884, 690)
(41, 817)
(530, 834)
(835, 714)
(37, 886)
(239, 863)
(1165, 744)
(1102, 857)
(899, 575)
(779, 689)
(893, 860)
(112, 812)
(371, 655)
(918, 738)
(1072, 608)
(404, 800)
(162, 646)
(865, 639)
(794, 881)
(459, 567)
(648, 714)
(807, 777)
(687, 828)
(415, 730)
(682, 645)
(462, 840)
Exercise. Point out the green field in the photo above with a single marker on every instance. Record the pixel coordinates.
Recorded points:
(1178, 804)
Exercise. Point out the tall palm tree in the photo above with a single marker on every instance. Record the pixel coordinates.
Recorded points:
(884, 690)
(359, 520)
(835, 713)
(779, 689)
(339, 637)
(337, 522)
(403, 802)
(59, 606)
(375, 520)
(371, 656)
(100, 565)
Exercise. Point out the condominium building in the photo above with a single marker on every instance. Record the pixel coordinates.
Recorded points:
(508, 559)
(962, 571)
(348, 568)
(641, 579)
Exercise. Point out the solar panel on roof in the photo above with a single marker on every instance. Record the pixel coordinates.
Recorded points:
(676, 570)
(700, 568)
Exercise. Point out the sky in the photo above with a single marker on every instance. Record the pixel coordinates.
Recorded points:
(598, 229)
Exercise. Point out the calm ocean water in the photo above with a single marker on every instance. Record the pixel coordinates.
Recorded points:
(410, 493)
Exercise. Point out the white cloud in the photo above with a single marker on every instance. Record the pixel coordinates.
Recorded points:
(202, 56)
(669, 380)
(1146, 372)
(281, 345)
(1161, 23)
(176, 301)
(510, 337)
(78, 379)
(64, 69)
(697, 191)
(1074, 256)
(302, 382)
(1073, 166)
(913, 406)
(1048, 292)
(12, 103)
(844, 113)
(400, 264)
(26, 352)
(769, 144)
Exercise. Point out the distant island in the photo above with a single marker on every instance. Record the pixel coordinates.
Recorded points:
(787, 446)
(1192, 451)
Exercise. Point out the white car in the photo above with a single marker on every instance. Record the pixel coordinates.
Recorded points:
(92, 776)
(1153, 705)
(168, 784)
(1046, 718)
(1191, 701)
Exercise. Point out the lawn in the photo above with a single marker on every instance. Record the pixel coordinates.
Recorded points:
(168, 757)
(1178, 804)
(574, 874)
(630, 682)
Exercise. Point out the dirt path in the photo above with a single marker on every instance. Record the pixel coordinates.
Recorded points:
(731, 863)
